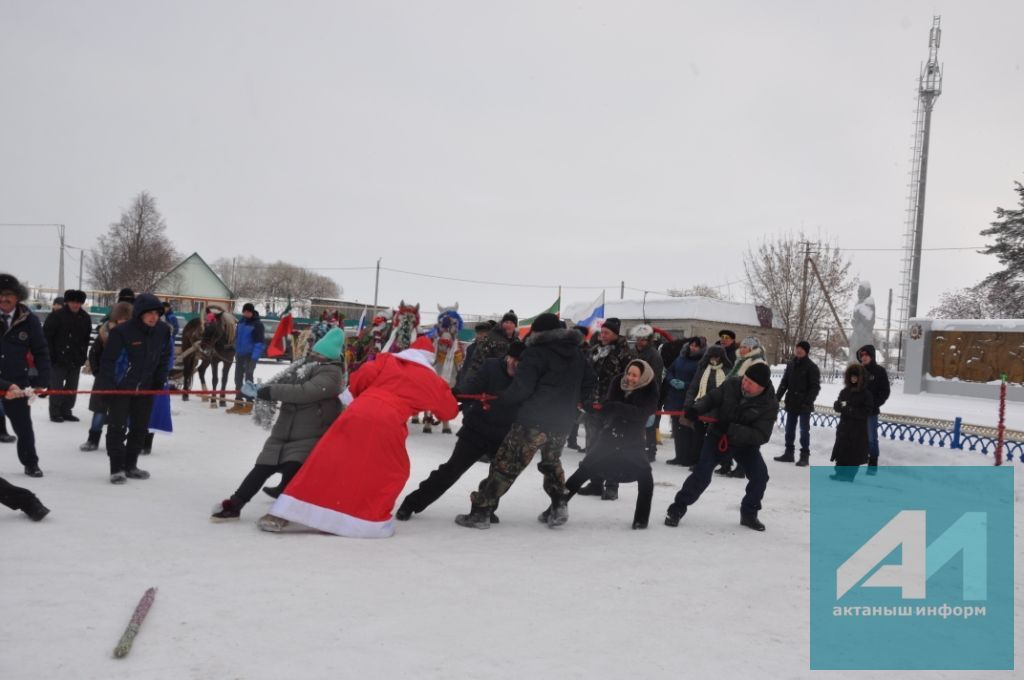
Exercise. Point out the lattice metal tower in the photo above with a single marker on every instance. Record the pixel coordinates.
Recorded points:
(928, 90)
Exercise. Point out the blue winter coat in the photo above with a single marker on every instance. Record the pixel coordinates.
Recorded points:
(136, 355)
(684, 368)
(24, 338)
(249, 341)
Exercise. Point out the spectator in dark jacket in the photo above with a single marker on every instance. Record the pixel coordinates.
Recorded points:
(854, 406)
(248, 350)
(551, 380)
(171, 319)
(645, 339)
(609, 358)
(727, 341)
(878, 386)
(134, 359)
(745, 411)
(484, 427)
(24, 363)
(119, 314)
(481, 330)
(618, 454)
(67, 334)
(799, 388)
(680, 376)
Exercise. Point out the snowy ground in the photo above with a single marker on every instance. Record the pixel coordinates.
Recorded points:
(593, 599)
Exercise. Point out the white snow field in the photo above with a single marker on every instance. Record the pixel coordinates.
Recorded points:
(592, 599)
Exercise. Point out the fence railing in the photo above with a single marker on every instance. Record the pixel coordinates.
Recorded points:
(832, 376)
(952, 434)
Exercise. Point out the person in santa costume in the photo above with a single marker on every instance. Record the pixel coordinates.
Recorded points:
(350, 482)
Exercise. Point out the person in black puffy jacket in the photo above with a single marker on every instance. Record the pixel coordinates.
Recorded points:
(135, 359)
(799, 388)
(744, 411)
(551, 380)
(483, 429)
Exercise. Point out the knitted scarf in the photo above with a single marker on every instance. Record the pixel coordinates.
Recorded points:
(705, 378)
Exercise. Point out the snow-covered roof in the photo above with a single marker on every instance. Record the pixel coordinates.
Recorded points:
(691, 307)
(988, 325)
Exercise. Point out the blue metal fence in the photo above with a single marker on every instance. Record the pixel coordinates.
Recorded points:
(942, 433)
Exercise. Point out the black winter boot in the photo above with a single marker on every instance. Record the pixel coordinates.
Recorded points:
(35, 510)
(873, 465)
(229, 510)
(147, 446)
(752, 522)
(804, 459)
(93, 442)
(476, 519)
(673, 515)
(786, 457)
(591, 489)
(738, 472)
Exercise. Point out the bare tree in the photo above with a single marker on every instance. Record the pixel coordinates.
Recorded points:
(775, 279)
(135, 252)
(251, 277)
(701, 290)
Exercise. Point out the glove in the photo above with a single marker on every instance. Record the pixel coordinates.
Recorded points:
(838, 406)
(677, 384)
(650, 421)
(249, 390)
(264, 393)
(346, 398)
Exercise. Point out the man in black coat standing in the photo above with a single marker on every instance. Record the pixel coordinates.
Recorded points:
(24, 362)
(741, 415)
(135, 358)
(67, 332)
(551, 380)
(878, 386)
(484, 426)
(799, 388)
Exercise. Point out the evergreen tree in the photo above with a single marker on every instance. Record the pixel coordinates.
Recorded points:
(1007, 285)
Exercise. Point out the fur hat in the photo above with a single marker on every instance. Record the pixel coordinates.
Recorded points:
(642, 332)
(612, 324)
(8, 282)
(331, 344)
(249, 307)
(515, 350)
(482, 327)
(126, 295)
(860, 372)
(58, 301)
(804, 345)
(74, 296)
(760, 373)
(751, 342)
(545, 322)
(510, 315)
(726, 333)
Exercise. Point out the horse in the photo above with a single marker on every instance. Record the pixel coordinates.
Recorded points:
(448, 355)
(208, 344)
(403, 327)
(370, 341)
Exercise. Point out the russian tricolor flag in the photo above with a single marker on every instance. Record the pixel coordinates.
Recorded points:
(593, 315)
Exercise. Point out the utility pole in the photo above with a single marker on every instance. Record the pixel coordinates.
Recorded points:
(801, 328)
(622, 290)
(60, 271)
(828, 299)
(376, 286)
(888, 329)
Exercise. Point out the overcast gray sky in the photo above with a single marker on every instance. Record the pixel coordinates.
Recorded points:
(538, 143)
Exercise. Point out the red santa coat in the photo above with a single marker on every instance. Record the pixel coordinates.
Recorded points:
(349, 483)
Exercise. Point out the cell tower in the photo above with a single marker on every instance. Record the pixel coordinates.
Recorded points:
(928, 90)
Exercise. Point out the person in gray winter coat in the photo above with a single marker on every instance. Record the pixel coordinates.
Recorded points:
(308, 395)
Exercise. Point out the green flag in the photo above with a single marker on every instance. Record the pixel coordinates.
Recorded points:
(555, 308)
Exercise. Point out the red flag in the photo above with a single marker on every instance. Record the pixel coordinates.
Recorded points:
(284, 328)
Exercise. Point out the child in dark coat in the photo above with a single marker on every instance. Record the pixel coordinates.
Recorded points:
(854, 405)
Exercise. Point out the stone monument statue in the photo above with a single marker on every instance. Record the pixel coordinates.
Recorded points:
(863, 320)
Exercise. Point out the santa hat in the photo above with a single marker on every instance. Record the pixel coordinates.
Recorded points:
(421, 352)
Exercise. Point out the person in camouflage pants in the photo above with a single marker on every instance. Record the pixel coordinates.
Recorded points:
(610, 360)
(552, 378)
(514, 454)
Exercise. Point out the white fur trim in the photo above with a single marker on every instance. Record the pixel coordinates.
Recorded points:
(331, 521)
(417, 356)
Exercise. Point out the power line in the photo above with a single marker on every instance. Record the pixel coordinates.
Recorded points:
(863, 250)
(492, 283)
